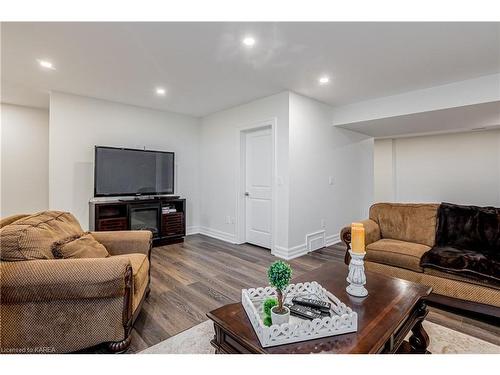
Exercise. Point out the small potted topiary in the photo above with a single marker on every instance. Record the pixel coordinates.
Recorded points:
(279, 275)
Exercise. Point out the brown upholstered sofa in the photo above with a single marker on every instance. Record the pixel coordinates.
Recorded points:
(398, 235)
(66, 305)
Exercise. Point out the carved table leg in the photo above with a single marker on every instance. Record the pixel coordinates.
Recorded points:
(217, 340)
(419, 340)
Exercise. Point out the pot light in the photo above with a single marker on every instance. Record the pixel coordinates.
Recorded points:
(248, 41)
(46, 64)
(323, 80)
(160, 91)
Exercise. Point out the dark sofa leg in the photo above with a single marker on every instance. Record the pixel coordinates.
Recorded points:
(119, 346)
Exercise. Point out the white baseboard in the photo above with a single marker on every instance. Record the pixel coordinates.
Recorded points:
(332, 240)
(218, 234)
(192, 230)
(279, 251)
(299, 250)
(290, 253)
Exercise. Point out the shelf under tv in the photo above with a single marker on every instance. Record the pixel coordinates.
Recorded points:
(147, 197)
(143, 213)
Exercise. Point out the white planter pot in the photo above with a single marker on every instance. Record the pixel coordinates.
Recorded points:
(280, 318)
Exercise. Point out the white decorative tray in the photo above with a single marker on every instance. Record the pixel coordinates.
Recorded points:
(343, 319)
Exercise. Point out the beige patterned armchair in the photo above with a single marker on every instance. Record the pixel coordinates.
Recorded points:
(66, 305)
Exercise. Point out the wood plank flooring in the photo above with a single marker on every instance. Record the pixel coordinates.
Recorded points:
(191, 278)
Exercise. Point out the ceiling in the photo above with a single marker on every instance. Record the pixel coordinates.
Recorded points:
(205, 68)
(483, 116)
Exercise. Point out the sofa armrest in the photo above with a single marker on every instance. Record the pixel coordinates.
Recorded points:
(372, 234)
(64, 279)
(126, 241)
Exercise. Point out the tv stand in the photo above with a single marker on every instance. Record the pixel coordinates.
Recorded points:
(165, 216)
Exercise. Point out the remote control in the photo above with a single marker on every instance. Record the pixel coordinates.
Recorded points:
(304, 312)
(325, 313)
(314, 303)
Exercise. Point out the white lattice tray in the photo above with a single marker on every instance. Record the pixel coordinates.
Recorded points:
(343, 319)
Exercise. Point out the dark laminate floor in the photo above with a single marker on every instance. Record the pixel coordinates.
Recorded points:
(191, 278)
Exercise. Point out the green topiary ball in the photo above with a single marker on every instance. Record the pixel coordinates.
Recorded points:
(279, 274)
(269, 304)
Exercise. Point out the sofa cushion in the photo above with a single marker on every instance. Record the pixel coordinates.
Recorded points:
(396, 253)
(467, 263)
(84, 246)
(140, 271)
(32, 237)
(406, 222)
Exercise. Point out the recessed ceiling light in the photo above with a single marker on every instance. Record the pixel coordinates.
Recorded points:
(323, 80)
(46, 64)
(248, 41)
(160, 91)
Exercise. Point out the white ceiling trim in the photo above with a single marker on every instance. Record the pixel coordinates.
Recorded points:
(482, 116)
(474, 91)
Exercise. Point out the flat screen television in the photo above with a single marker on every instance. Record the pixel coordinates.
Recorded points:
(125, 171)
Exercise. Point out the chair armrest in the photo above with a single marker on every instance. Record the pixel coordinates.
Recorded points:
(126, 241)
(372, 234)
(64, 279)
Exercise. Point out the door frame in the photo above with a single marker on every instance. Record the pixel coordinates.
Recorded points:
(241, 180)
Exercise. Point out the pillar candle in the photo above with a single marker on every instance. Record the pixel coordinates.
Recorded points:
(357, 238)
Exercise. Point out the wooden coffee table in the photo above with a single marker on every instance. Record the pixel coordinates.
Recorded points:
(392, 309)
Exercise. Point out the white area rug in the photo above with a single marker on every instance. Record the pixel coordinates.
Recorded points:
(196, 340)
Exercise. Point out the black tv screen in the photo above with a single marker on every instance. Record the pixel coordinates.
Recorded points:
(123, 171)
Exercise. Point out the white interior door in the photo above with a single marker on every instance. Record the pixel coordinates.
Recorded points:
(258, 192)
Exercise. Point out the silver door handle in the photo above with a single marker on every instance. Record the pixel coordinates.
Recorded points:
(247, 194)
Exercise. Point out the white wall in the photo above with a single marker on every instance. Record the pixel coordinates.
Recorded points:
(78, 123)
(319, 151)
(24, 159)
(383, 170)
(220, 139)
(458, 168)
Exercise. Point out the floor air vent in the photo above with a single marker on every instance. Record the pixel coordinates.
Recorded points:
(315, 241)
